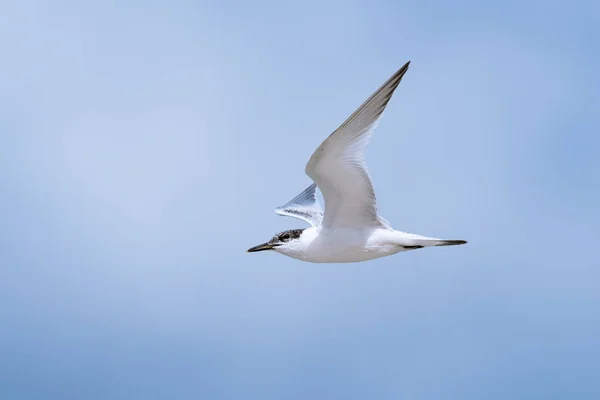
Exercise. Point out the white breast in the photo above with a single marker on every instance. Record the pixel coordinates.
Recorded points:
(322, 245)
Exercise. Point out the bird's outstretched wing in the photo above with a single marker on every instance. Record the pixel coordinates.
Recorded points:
(338, 166)
(304, 206)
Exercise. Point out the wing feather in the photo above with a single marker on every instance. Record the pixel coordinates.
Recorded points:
(304, 206)
(338, 166)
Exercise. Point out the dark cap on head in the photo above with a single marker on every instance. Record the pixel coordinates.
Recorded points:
(278, 240)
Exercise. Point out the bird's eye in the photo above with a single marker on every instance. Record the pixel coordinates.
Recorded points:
(285, 237)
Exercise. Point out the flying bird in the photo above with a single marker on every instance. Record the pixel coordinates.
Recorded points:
(350, 229)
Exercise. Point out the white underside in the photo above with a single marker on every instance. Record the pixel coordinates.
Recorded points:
(350, 229)
(326, 245)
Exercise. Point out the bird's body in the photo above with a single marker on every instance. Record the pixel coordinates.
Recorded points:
(342, 245)
(350, 229)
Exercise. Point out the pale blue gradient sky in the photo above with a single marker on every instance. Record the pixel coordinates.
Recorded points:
(143, 146)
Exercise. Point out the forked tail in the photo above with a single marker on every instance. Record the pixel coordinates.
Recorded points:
(449, 242)
(418, 242)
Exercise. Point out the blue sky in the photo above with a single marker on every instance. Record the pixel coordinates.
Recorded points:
(144, 145)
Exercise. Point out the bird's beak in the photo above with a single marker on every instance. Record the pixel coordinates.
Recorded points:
(261, 247)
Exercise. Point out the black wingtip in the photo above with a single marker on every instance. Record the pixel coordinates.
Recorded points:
(400, 73)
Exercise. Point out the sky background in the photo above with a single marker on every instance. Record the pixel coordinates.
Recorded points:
(144, 145)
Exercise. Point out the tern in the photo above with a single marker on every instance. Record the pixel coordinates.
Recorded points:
(350, 229)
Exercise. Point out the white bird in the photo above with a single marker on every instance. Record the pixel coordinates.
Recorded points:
(350, 229)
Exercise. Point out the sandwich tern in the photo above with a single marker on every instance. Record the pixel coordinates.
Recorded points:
(350, 229)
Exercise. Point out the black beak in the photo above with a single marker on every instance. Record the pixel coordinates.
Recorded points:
(261, 247)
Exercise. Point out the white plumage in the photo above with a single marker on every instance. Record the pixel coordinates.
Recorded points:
(350, 229)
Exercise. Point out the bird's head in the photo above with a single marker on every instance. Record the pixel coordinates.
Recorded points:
(281, 242)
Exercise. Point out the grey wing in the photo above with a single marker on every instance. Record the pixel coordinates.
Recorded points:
(304, 206)
(338, 166)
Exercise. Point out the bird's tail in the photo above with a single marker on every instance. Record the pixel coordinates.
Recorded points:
(422, 241)
(412, 241)
(449, 242)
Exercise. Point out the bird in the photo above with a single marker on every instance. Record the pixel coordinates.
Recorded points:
(349, 229)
